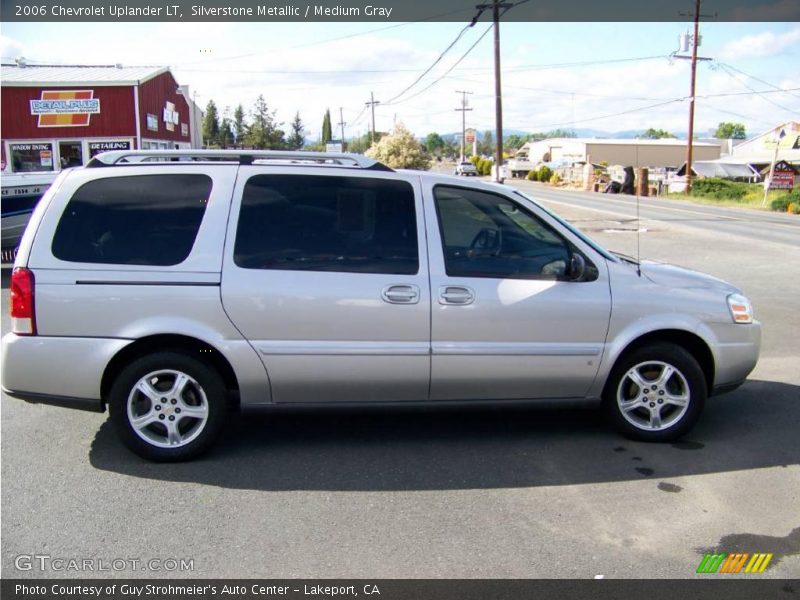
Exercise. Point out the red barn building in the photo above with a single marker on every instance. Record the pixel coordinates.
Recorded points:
(55, 117)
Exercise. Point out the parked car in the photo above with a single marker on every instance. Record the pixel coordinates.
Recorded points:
(466, 168)
(172, 291)
(20, 192)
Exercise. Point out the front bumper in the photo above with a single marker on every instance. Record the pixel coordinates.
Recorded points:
(735, 354)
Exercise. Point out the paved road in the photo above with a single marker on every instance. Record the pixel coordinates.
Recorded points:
(752, 225)
(489, 494)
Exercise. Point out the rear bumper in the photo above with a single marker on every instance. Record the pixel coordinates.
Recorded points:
(90, 404)
(57, 370)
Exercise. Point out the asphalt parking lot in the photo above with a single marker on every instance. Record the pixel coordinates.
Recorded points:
(522, 494)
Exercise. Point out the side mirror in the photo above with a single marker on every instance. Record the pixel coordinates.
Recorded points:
(577, 267)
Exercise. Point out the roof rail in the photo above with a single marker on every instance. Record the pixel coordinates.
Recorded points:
(243, 157)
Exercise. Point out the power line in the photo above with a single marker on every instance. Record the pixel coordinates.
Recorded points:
(767, 83)
(600, 117)
(725, 69)
(435, 81)
(343, 37)
(435, 62)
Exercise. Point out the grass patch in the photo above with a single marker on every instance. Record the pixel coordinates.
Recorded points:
(721, 192)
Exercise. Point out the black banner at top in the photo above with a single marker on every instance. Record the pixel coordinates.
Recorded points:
(377, 11)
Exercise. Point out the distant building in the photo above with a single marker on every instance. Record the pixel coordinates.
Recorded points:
(667, 152)
(56, 117)
(759, 151)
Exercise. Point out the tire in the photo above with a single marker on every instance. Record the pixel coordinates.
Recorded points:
(180, 403)
(655, 393)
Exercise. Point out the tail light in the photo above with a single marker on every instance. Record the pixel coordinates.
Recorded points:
(23, 312)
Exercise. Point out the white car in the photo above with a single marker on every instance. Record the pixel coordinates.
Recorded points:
(466, 168)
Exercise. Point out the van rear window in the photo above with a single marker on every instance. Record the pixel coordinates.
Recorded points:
(134, 220)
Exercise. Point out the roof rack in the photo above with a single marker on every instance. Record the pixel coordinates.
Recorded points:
(242, 157)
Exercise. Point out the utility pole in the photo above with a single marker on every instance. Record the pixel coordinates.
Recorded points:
(463, 111)
(341, 123)
(496, 5)
(694, 58)
(372, 103)
(690, 143)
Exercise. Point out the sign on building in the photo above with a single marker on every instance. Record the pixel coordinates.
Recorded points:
(68, 108)
(783, 177)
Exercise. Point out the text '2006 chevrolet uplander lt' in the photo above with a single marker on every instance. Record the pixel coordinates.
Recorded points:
(172, 286)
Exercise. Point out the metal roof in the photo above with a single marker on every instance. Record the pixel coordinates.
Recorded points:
(73, 75)
(626, 142)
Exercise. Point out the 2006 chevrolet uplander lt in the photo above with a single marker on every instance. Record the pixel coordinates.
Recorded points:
(171, 286)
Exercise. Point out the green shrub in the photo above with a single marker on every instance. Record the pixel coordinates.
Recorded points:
(533, 175)
(475, 160)
(719, 189)
(793, 208)
(555, 179)
(781, 203)
(545, 173)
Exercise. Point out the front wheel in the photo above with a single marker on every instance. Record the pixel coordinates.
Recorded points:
(655, 393)
(168, 406)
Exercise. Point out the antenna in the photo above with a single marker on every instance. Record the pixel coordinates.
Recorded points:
(638, 221)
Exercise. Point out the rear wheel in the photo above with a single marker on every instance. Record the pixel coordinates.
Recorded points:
(168, 406)
(655, 393)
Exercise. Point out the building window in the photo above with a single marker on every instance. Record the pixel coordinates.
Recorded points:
(26, 158)
(70, 154)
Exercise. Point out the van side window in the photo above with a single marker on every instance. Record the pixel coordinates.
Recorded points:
(133, 220)
(489, 235)
(321, 223)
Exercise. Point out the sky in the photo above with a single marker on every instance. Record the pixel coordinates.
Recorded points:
(602, 76)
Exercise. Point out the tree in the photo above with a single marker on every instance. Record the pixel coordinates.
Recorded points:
(434, 144)
(327, 136)
(263, 132)
(655, 134)
(226, 137)
(516, 141)
(486, 145)
(297, 138)
(239, 126)
(211, 124)
(362, 143)
(560, 133)
(400, 150)
(727, 130)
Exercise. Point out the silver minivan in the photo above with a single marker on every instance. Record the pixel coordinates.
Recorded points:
(175, 286)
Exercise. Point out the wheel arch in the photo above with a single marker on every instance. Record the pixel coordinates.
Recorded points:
(691, 342)
(190, 346)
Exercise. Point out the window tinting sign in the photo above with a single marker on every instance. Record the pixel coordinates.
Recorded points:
(69, 108)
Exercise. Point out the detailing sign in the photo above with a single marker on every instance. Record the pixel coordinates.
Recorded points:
(71, 108)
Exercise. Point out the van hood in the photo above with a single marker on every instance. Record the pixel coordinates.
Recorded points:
(672, 276)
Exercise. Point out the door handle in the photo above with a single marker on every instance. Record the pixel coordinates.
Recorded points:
(400, 294)
(452, 294)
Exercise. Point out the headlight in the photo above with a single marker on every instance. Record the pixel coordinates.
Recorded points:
(741, 309)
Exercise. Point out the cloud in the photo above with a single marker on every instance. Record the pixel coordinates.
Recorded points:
(10, 48)
(760, 45)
